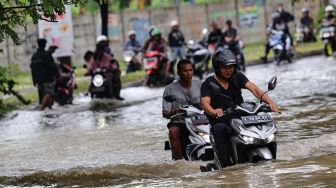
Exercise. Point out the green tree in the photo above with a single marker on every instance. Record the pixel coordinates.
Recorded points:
(7, 86)
(14, 13)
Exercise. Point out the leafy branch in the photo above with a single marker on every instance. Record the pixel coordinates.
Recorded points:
(7, 86)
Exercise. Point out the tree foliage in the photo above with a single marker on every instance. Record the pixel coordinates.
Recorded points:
(14, 13)
(7, 86)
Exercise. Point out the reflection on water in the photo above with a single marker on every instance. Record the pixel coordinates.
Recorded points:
(120, 143)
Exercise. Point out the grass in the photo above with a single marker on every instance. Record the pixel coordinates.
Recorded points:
(252, 52)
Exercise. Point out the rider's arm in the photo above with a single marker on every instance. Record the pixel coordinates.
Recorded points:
(206, 101)
(257, 92)
(167, 107)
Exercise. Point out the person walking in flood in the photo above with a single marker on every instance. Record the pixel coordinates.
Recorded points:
(44, 72)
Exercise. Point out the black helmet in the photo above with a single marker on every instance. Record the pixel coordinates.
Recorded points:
(223, 57)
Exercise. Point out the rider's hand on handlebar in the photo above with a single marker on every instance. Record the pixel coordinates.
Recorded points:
(218, 113)
(176, 111)
(274, 107)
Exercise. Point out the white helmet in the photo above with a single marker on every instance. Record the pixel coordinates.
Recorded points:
(174, 23)
(329, 8)
(101, 38)
(131, 32)
(305, 10)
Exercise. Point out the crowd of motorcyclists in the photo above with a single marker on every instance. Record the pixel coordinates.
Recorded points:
(215, 96)
(218, 93)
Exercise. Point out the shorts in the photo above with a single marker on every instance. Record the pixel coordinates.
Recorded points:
(46, 88)
(180, 125)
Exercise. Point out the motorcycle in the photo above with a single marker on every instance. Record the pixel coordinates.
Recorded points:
(327, 34)
(304, 34)
(65, 84)
(199, 56)
(101, 85)
(231, 45)
(131, 61)
(254, 138)
(197, 144)
(155, 70)
(282, 50)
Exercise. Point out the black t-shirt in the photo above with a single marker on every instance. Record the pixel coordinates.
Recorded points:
(43, 67)
(307, 21)
(213, 89)
(215, 37)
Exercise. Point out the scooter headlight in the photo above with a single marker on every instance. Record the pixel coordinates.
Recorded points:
(98, 80)
(271, 138)
(127, 58)
(249, 140)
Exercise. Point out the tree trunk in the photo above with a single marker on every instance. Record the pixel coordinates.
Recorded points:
(104, 18)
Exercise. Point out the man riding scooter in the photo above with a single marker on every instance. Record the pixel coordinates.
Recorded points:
(307, 26)
(111, 71)
(230, 83)
(277, 25)
(231, 38)
(158, 46)
(131, 50)
(215, 37)
(186, 90)
(328, 30)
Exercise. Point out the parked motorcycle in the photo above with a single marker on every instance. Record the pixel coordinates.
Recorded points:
(65, 84)
(197, 146)
(327, 34)
(281, 49)
(155, 70)
(131, 61)
(101, 86)
(199, 56)
(254, 138)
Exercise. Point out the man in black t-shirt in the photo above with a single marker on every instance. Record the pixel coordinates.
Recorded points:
(221, 91)
(215, 37)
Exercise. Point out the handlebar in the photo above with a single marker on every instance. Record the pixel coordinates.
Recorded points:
(236, 109)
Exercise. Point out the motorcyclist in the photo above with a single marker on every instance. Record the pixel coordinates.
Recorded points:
(308, 23)
(159, 44)
(105, 42)
(134, 45)
(146, 44)
(329, 18)
(232, 39)
(277, 24)
(101, 59)
(186, 90)
(228, 82)
(176, 42)
(215, 36)
(285, 17)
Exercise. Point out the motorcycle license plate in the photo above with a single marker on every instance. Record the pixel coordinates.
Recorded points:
(256, 119)
(199, 119)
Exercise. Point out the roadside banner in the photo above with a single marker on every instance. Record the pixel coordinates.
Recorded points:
(59, 33)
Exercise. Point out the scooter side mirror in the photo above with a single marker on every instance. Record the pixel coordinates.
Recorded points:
(84, 66)
(169, 98)
(272, 83)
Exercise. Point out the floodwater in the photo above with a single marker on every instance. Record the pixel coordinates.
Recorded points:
(121, 144)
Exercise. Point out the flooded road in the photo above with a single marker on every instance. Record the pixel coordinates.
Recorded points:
(120, 144)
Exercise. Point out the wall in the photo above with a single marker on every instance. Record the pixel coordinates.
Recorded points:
(250, 16)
